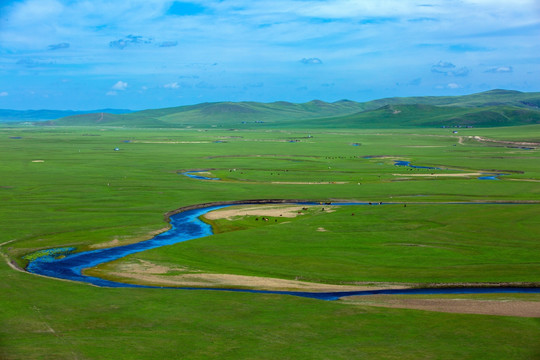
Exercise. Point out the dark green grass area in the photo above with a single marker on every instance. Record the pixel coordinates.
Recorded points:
(82, 192)
(49, 319)
(388, 243)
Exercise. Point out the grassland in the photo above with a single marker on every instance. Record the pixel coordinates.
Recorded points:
(66, 186)
(417, 244)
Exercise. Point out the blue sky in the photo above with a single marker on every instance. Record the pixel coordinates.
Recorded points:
(137, 54)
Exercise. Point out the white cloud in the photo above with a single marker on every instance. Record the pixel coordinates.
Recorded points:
(447, 68)
(500, 70)
(173, 85)
(120, 85)
(4, 93)
(453, 86)
(311, 61)
(111, 93)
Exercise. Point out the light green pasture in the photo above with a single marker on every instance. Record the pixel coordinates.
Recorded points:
(68, 187)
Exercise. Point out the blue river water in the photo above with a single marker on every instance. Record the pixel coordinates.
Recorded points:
(491, 176)
(486, 176)
(193, 175)
(186, 226)
(407, 163)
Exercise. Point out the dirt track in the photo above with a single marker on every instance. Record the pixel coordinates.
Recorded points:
(461, 306)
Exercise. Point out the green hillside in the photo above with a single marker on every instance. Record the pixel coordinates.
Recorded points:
(487, 109)
(217, 114)
(398, 116)
(483, 99)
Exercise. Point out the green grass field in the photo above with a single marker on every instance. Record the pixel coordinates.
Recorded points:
(66, 186)
(417, 244)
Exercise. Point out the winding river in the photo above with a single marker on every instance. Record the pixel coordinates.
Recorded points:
(186, 225)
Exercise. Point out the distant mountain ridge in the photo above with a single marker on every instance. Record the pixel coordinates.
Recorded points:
(7, 115)
(487, 109)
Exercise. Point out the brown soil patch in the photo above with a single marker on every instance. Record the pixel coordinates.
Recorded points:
(461, 306)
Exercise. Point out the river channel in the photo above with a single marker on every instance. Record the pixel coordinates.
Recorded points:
(186, 225)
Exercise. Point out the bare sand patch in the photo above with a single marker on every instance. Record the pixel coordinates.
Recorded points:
(424, 146)
(146, 273)
(143, 267)
(38, 161)
(377, 157)
(107, 244)
(321, 229)
(529, 180)
(171, 142)
(445, 175)
(308, 182)
(288, 211)
(461, 306)
(506, 142)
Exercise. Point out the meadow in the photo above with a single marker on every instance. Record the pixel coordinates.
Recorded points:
(69, 187)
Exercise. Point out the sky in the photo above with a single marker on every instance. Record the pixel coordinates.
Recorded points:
(140, 54)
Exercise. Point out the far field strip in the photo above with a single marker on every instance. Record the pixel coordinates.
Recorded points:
(512, 307)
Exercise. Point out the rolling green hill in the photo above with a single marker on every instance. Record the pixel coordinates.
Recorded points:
(487, 109)
(398, 116)
(483, 99)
